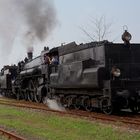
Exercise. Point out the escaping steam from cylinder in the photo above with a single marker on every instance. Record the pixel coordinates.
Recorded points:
(53, 104)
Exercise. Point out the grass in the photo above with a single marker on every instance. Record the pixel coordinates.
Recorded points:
(3, 138)
(38, 125)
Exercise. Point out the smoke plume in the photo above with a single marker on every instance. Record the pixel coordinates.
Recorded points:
(39, 17)
(31, 20)
(8, 29)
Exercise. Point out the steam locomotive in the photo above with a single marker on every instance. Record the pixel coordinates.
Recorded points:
(96, 75)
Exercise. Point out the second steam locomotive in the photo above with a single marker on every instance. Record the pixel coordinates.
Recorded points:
(96, 75)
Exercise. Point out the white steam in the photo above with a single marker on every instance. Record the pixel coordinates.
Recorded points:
(53, 104)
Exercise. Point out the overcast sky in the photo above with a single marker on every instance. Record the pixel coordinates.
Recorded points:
(72, 14)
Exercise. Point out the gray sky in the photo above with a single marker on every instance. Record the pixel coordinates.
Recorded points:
(70, 15)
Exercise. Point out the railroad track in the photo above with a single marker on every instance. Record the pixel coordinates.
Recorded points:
(10, 135)
(130, 120)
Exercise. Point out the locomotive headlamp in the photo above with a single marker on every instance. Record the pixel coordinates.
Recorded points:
(116, 72)
(126, 37)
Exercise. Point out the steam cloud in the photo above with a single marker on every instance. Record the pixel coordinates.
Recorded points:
(54, 104)
(39, 16)
(34, 18)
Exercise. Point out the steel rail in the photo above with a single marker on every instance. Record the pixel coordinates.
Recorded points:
(10, 135)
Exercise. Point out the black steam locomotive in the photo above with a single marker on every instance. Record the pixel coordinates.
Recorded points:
(96, 75)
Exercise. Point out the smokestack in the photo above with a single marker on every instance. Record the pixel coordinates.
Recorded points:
(30, 55)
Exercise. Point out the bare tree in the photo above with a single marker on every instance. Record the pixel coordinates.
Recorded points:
(100, 29)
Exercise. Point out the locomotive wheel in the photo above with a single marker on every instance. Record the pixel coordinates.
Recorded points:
(26, 95)
(134, 108)
(22, 96)
(44, 95)
(105, 108)
(38, 97)
(87, 105)
(18, 94)
(62, 100)
(77, 103)
(65, 101)
(30, 96)
(31, 91)
(37, 94)
(76, 106)
(108, 110)
(69, 101)
(44, 99)
(3, 93)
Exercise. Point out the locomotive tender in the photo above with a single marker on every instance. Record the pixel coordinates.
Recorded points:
(100, 75)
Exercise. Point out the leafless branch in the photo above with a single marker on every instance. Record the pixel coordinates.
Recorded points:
(100, 28)
(87, 33)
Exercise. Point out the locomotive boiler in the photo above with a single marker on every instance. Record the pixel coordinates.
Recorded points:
(96, 75)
